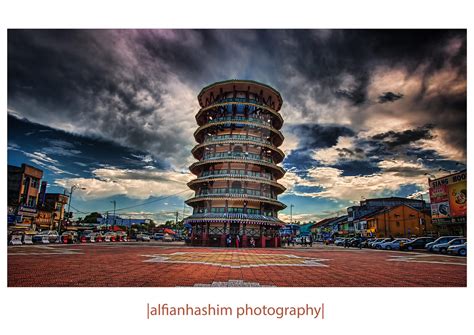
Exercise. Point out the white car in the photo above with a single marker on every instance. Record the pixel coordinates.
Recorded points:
(143, 238)
(393, 245)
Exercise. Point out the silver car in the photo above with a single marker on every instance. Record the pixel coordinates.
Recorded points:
(443, 247)
(47, 236)
(439, 240)
(377, 245)
(395, 244)
(459, 249)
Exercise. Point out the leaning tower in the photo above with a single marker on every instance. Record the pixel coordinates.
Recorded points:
(236, 188)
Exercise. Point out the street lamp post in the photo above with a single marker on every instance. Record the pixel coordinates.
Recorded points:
(73, 187)
(115, 204)
(291, 213)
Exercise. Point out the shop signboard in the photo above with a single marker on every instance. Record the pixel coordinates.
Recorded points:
(448, 197)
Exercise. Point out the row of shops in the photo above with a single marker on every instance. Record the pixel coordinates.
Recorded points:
(401, 217)
(30, 207)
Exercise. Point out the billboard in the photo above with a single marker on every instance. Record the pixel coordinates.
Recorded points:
(448, 197)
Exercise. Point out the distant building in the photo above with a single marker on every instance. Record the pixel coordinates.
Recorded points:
(23, 191)
(44, 219)
(56, 202)
(356, 222)
(398, 221)
(120, 221)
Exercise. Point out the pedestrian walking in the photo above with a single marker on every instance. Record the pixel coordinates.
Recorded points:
(310, 240)
(229, 241)
(252, 242)
(237, 241)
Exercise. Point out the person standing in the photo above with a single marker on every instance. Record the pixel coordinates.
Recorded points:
(237, 241)
(311, 240)
(252, 242)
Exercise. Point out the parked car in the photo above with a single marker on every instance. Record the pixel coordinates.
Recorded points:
(372, 243)
(97, 237)
(393, 245)
(458, 249)
(158, 236)
(46, 236)
(16, 239)
(110, 237)
(443, 247)
(417, 243)
(69, 237)
(85, 236)
(376, 245)
(143, 237)
(365, 243)
(122, 236)
(339, 241)
(168, 238)
(442, 239)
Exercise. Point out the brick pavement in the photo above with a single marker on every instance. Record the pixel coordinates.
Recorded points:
(141, 264)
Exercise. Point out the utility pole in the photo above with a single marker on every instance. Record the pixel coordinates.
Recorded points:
(291, 213)
(115, 203)
(176, 222)
(73, 187)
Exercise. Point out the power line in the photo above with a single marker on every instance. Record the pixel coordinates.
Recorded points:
(133, 206)
(152, 201)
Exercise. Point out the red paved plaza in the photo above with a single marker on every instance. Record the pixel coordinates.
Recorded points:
(158, 265)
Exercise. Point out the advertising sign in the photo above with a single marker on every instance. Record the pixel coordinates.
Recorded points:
(440, 210)
(448, 197)
(458, 199)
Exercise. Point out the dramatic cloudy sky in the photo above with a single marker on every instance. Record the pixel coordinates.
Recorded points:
(367, 113)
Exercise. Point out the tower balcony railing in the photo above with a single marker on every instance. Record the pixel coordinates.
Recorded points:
(239, 155)
(232, 173)
(241, 118)
(236, 192)
(243, 196)
(215, 138)
(244, 100)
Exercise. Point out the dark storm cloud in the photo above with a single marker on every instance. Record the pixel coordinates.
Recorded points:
(74, 152)
(311, 137)
(315, 136)
(394, 139)
(389, 97)
(138, 88)
(357, 167)
(356, 97)
(301, 160)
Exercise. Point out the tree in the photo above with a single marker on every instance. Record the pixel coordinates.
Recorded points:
(92, 217)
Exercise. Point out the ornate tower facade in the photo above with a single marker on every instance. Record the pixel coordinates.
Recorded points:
(236, 188)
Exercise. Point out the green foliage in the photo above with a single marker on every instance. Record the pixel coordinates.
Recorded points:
(92, 217)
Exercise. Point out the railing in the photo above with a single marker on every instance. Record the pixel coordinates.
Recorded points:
(236, 192)
(241, 155)
(236, 137)
(240, 118)
(231, 210)
(233, 173)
